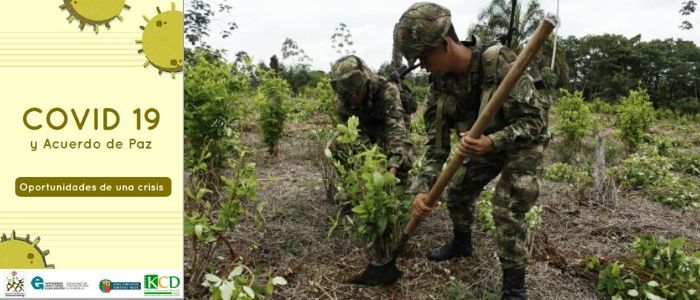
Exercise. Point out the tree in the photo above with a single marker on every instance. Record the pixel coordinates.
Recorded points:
(199, 16)
(494, 22)
(341, 40)
(687, 9)
(608, 66)
(290, 49)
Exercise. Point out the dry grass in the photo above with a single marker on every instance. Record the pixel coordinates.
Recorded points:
(294, 242)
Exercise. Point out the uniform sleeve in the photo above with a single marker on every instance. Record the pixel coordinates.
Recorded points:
(435, 156)
(343, 115)
(397, 133)
(523, 112)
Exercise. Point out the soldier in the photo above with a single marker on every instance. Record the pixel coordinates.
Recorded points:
(464, 75)
(377, 104)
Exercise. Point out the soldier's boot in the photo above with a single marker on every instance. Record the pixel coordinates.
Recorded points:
(514, 284)
(460, 246)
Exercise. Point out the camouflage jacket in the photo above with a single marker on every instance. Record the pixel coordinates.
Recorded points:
(383, 120)
(454, 103)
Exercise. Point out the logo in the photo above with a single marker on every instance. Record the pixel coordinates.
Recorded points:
(161, 285)
(107, 286)
(14, 286)
(38, 283)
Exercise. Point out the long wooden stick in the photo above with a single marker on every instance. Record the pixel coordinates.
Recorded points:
(499, 97)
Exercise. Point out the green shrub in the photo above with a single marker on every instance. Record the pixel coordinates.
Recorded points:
(641, 170)
(212, 214)
(635, 117)
(660, 269)
(317, 99)
(418, 125)
(683, 158)
(562, 172)
(210, 111)
(378, 202)
(484, 211)
(665, 114)
(272, 94)
(575, 122)
(650, 172)
(601, 106)
(687, 162)
(676, 192)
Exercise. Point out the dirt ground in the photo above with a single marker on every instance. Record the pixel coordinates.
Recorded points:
(293, 242)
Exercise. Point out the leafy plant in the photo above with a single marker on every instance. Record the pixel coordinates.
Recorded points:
(640, 170)
(209, 219)
(650, 172)
(660, 269)
(635, 117)
(272, 94)
(601, 106)
(378, 203)
(210, 110)
(317, 99)
(676, 192)
(418, 125)
(240, 284)
(575, 122)
(562, 172)
(484, 212)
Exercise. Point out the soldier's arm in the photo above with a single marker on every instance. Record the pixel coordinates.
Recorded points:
(397, 133)
(435, 156)
(343, 116)
(523, 112)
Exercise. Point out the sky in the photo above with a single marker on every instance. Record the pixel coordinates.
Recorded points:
(264, 24)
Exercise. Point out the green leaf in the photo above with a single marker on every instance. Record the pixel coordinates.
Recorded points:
(249, 291)
(653, 283)
(651, 296)
(198, 230)
(237, 271)
(202, 192)
(212, 278)
(615, 270)
(226, 290)
(359, 209)
(633, 293)
(382, 223)
(378, 179)
(279, 281)
(677, 243)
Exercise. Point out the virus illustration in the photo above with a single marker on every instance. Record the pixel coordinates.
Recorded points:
(93, 12)
(22, 253)
(162, 41)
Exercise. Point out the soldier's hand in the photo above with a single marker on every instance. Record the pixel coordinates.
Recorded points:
(420, 209)
(474, 147)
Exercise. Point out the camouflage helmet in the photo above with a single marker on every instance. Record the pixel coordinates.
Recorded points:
(348, 73)
(421, 27)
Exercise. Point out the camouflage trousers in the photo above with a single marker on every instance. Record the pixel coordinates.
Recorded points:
(516, 192)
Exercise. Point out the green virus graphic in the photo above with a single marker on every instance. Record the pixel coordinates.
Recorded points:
(93, 12)
(22, 253)
(162, 41)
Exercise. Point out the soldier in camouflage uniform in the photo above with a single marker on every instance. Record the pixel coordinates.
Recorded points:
(464, 75)
(375, 101)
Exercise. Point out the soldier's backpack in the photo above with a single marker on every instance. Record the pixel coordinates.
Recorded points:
(407, 100)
